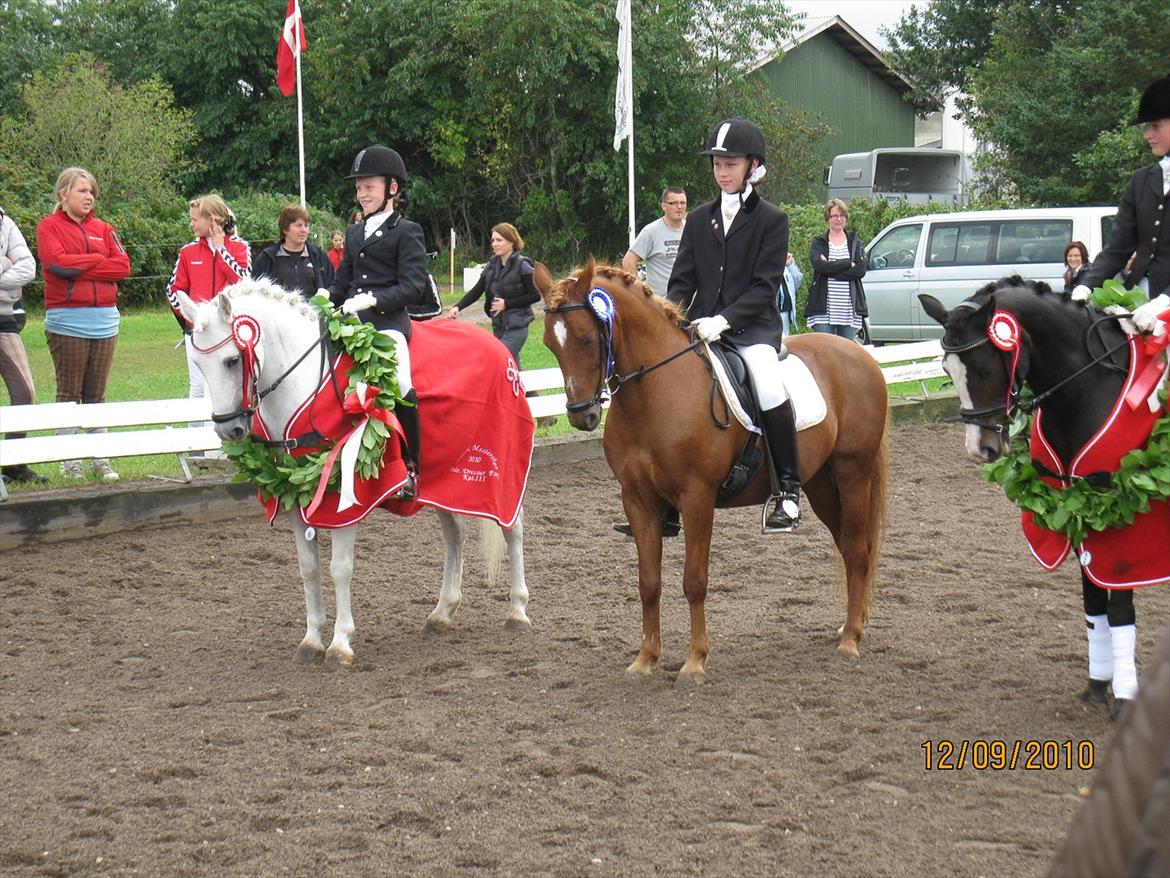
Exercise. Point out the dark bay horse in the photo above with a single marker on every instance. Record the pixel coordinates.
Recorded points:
(664, 444)
(1075, 360)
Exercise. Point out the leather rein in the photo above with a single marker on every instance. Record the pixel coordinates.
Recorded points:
(610, 382)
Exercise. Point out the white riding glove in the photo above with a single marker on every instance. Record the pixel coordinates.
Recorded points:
(710, 328)
(360, 302)
(1145, 318)
(1081, 293)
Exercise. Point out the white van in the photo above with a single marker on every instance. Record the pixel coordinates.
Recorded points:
(951, 255)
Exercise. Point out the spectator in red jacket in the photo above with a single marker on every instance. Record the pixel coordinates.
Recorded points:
(336, 249)
(215, 259)
(82, 261)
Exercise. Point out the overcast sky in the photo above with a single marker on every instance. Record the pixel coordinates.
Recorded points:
(864, 16)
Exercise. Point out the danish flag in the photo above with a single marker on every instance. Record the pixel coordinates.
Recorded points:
(288, 50)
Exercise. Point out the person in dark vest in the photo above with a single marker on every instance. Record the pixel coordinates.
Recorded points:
(384, 269)
(507, 279)
(729, 265)
(1142, 226)
(296, 263)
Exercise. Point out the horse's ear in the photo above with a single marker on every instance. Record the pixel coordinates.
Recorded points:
(934, 308)
(225, 308)
(542, 277)
(585, 276)
(187, 308)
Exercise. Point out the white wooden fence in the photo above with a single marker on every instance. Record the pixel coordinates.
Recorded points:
(137, 432)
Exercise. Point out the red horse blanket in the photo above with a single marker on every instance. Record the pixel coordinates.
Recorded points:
(475, 428)
(1124, 557)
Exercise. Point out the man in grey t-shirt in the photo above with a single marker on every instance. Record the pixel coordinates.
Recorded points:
(657, 243)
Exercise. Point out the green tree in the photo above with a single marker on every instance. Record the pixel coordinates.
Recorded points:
(131, 138)
(25, 46)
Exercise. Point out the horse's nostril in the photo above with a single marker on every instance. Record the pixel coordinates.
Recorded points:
(990, 453)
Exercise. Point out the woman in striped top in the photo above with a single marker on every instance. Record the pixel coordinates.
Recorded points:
(836, 301)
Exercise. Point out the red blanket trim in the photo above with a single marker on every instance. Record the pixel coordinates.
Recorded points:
(1118, 558)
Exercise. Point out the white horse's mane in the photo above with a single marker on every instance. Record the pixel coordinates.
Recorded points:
(270, 290)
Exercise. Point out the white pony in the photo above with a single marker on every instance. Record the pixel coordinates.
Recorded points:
(288, 329)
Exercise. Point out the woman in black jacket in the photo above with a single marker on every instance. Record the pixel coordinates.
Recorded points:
(836, 300)
(1076, 263)
(511, 290)
(295, 263)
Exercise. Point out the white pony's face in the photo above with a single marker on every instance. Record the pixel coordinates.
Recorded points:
(222, 363)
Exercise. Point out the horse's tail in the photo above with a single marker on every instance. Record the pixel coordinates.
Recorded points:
(878, 503)
(491, 540)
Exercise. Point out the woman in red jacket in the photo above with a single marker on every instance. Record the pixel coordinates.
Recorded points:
(82, 261)
(215, 259)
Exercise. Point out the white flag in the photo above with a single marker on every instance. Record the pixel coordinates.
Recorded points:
(623, 109)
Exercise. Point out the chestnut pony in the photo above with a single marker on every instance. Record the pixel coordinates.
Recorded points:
(665, 445)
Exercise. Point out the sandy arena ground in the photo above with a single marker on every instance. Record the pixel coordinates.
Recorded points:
(153, 723)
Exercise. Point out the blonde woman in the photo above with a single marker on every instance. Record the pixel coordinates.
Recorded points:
(511, 290)
(82, 260)
(216, 258)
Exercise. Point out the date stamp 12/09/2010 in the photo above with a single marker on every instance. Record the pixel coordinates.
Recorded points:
(1002, 755)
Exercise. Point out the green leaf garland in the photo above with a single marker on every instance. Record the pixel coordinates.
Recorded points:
(275, 472)
(1143, 477)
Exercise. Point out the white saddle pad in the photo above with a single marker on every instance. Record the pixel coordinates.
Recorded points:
(808, 404)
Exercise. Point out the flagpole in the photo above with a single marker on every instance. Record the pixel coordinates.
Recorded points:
(299, 36)
(630, 153)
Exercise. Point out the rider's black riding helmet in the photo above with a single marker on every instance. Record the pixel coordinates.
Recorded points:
(736, 137)
(1155, 102)
(378, 161)
(381, 161)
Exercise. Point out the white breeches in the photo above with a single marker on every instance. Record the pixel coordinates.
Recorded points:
(405, 385)
(764, 365)
(196, 386)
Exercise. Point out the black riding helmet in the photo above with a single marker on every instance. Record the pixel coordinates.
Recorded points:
(1155, 102)
(381, 161)
(736, 137)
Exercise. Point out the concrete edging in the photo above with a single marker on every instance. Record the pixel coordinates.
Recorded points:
(73, 514)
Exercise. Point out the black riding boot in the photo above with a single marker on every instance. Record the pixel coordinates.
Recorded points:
(408, 418)
(780, 432)
(671, 525)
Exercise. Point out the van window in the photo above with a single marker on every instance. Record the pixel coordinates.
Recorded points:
(1106, 229)
(896, 249)
(1012, 242)
(1024, 241)
(959, 244)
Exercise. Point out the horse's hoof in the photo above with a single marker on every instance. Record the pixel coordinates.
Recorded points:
(305, 654)
(1096, 692)
(1119, 709)
(849, 648)
(690, 680)
(437, 626)
(640, 670)
(339, 659)
(517, 626)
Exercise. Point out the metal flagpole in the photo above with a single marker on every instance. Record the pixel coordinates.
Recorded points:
(300, 109)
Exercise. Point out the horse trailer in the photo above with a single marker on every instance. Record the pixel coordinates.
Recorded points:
(917, 175)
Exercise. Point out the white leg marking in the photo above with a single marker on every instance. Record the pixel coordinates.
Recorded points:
(341, 572)
(442, 616)
(518, 611)
(309, 560)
